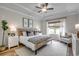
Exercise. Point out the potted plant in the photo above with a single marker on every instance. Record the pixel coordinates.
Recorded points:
(4, 27)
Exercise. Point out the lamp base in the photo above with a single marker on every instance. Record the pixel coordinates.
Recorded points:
(78, 34)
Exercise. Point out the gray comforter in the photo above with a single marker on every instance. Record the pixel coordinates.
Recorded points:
(38, 39)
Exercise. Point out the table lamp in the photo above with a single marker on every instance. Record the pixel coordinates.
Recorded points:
(77, 28)
(12, 29)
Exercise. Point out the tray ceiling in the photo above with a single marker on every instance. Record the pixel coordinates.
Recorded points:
(60, 9)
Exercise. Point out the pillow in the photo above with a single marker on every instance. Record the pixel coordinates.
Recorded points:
(31, 34)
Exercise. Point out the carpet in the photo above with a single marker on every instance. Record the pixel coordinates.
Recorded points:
(55, 49)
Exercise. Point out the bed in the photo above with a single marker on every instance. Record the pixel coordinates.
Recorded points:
(34, 42)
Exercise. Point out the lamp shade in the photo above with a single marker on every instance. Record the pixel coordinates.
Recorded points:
(77, 27)
(12, 28)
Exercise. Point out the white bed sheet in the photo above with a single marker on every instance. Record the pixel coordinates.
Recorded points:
(24, 41)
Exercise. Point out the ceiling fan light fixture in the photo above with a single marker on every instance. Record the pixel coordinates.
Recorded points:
(44, 9)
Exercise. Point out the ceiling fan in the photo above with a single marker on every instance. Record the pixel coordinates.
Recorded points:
(43, 7)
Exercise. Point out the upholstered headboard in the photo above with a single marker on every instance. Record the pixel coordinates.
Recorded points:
(19, 32)
(29, 32)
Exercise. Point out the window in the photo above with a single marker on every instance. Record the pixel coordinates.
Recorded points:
(56, 27)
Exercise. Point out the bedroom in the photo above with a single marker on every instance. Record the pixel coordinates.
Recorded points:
(23, 15)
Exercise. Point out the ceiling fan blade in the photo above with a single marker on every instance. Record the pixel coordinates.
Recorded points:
(42, 5)
(50, 8)
(39, 11)
(38, 7)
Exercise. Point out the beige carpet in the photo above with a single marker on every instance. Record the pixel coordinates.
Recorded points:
(54, 49)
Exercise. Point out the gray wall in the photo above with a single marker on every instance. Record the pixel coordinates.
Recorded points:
(70, 24)
(43, 27)
(16, 19)
(0, 36)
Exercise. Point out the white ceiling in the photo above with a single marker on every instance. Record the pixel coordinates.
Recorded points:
(60, 9)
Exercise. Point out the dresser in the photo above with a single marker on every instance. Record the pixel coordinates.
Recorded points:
(13, 41)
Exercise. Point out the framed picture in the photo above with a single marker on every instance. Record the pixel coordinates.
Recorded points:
(30, 23)
(25, 22)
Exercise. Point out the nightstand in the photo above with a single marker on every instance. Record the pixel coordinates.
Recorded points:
(13, 41)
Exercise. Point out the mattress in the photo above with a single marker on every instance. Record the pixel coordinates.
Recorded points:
(25, 40)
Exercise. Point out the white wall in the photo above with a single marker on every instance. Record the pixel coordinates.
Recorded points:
(15, 18)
